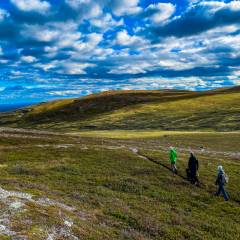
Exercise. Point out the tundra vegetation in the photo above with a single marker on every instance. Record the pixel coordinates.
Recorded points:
(78, 183)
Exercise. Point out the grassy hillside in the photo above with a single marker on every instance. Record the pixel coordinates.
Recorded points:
(163, 110)
(59, 187)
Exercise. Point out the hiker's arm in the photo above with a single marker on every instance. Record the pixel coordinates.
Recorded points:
(217, 180)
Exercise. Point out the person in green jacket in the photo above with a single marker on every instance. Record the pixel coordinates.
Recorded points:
(173, 159)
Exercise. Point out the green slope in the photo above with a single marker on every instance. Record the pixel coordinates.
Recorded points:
(163, 110)
(108, 192)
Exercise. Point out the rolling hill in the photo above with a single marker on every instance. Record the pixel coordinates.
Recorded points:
(117, 184)
(159, 110)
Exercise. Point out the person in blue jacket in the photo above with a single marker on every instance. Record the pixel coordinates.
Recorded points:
(221, 181)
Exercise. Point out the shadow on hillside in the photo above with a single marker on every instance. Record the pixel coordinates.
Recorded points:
(162, 165)
(202, 186)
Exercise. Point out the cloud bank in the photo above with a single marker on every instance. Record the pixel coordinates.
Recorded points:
(66, 48)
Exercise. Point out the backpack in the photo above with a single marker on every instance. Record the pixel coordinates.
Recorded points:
(225, 178)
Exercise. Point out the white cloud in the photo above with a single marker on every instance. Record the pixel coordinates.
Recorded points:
(70, 92)
(194, 1)
(65, 67)
(74, 68)
(28, 59)
(64, 34)
(162, 12)
(87, 8)
(46, 35)
(91, 34)
(234, 5)
(3, 61)
(179, 64)
(68, 39)
(132, 68)
(106, 22)
(32, 5)
(168, 83)
(94, 39)
(214, 6)
(125, 7)
(124, 39)
(95, 11)
(47, 66)
(88, 47)
(77, 3)
(40, 33)
(102, 53)
(215, 32)
(3, 14)
(16, 73)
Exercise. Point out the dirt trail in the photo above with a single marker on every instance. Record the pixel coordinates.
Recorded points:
(39, 134)
(28, 131)
(137, 152)
(179, 149)
(207, 152)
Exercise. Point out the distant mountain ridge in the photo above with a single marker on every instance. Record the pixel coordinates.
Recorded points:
(12, 107)
(164, 110)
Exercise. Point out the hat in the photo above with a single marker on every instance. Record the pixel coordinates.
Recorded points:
(220, 168)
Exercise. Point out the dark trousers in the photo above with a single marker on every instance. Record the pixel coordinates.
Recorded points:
(221, 189)
(192, 176)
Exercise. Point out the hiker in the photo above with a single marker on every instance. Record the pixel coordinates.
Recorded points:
(173, 159)
(192, 170)
(221, 181)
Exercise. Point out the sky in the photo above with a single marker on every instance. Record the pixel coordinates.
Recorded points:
(53, 49)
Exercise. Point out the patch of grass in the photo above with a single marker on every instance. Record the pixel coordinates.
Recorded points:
(128, 185)
(118, 195)
(21, 170)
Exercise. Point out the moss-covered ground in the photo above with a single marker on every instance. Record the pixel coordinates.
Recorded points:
(97, 188)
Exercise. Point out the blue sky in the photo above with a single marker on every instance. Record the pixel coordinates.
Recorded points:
(51, 49)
